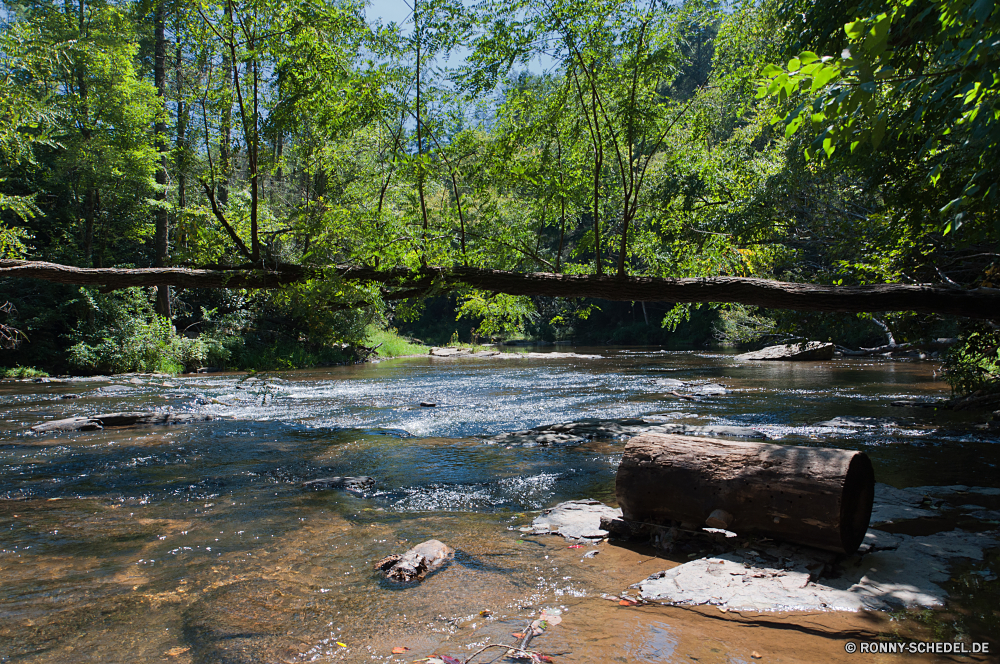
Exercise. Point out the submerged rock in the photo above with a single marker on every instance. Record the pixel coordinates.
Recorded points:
(115, 389)
(417, 563)
(358, 484)
(813, 350)
(96, 422)
(574, 519)
(574, 433)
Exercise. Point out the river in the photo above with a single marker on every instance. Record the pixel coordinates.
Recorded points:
(198, 543)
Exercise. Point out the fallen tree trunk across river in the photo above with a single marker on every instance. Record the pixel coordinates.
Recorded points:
(400, 283)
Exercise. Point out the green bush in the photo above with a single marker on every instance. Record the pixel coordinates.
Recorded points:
(128, 336)
(974, 363)
(22, 372)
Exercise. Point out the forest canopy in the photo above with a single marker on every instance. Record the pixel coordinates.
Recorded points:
(296, 172)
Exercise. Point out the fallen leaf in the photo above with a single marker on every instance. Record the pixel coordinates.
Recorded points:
(627, 602)
(177, 651)
(575, 546)
(485, 613)
(756, 655)
(517, 635)
(399, 650)
(538, 657)
(342, 645)
(450, 660)
(550, 619)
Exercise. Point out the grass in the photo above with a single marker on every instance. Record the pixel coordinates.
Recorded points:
(392, 345)
(22, 372)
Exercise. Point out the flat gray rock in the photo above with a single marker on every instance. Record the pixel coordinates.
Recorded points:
(899, 570)
(574, 519)
(813, 350)
(115, 389)
(96, 422)
(450, 351)
(892, 504)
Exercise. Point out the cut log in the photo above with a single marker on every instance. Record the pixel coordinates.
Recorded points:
(819, 497)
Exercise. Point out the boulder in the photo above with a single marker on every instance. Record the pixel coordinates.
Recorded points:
(95, 422)
(812, 350)
(417, 563)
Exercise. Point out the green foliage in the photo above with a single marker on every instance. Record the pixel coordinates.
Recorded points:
(974, 363)
(22, 372)
(389, 343)
(919, 74)
(128, 336)
(502, 315)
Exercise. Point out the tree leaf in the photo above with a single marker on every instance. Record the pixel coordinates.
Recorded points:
(878, 131)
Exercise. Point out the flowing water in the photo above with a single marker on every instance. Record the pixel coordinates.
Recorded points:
(198, 543)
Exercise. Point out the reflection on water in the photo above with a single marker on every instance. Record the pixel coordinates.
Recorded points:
(198, 543)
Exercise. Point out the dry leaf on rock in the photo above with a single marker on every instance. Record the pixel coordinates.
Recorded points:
(399, 650)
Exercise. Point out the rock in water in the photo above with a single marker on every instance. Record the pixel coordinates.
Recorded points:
(416, 563)
(96, 422)
(813, 350)
(574, 519)
(357, 484)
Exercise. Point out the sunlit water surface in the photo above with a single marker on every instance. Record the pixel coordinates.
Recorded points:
(199, 543)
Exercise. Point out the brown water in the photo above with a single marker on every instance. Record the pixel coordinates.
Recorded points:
(199, 544)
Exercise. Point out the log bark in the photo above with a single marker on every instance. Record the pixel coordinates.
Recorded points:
(814, 496)
(981, 303)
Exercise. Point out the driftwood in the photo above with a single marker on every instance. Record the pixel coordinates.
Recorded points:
(416, 563)
(812, 350)
(814, 496)
(97, 422)
(973, 303)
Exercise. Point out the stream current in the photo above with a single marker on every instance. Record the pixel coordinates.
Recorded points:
(198, 543)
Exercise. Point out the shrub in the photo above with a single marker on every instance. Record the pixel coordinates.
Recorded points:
(22, 372)
(974, 363)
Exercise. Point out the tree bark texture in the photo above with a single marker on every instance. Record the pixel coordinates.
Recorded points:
(982, 303)
(814, 496)
(160, 131)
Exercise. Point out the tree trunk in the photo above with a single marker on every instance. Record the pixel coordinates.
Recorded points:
(182, 120)
(226, 123)
(160, 132)
(981, 303)
(819, 497)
